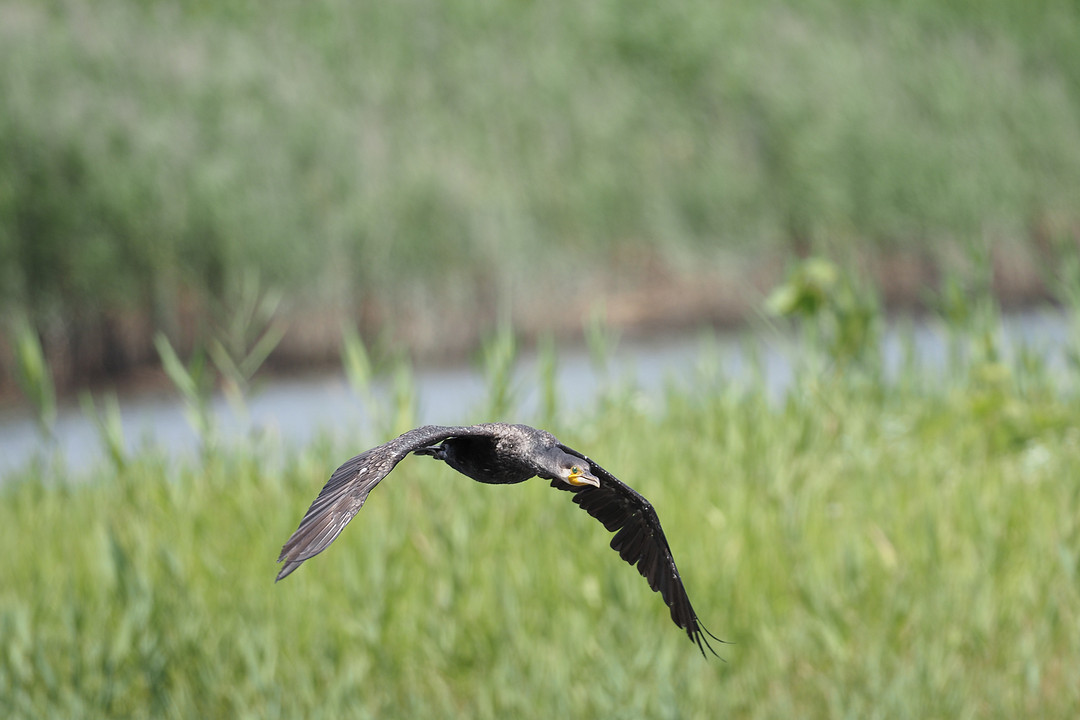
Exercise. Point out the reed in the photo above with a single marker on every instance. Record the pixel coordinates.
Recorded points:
(873, 546)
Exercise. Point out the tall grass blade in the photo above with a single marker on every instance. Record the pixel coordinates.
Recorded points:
(34, 377)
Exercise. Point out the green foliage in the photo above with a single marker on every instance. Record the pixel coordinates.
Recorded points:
(908, 552)
(344, 150)
(403, 399)
(244, 333)
(808, 289)
(547, 370)
(1064, 280)
(498, 358)
(33, 375)
(195, 382)
(360, 372)
(109, 426)
(835, 311)
(600, 337)
(243, 338)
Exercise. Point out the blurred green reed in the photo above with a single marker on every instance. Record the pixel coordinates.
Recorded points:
(157, 153)
(874, 546)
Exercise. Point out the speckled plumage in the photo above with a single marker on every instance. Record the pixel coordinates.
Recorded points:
(500, 453)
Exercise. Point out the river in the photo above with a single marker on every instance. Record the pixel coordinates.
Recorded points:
(298, 409)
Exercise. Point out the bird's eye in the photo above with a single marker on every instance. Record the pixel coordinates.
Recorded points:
(575, 470)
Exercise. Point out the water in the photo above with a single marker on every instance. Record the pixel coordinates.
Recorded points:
(298, 409)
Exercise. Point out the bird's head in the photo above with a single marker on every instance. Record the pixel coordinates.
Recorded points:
(575, 471)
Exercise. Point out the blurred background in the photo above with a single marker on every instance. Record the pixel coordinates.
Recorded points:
(827, 252)
(423, 171)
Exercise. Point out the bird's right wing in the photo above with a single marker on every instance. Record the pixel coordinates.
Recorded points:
(640, 541)
(347, 489)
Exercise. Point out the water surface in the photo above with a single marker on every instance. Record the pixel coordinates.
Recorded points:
(296, 410)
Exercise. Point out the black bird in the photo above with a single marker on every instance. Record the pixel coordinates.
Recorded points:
(499, 453)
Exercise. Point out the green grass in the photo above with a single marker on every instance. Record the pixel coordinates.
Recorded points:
(901, 550)
(425, 155)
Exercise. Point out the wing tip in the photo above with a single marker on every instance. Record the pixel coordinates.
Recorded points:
(699, 635)
(287, 569)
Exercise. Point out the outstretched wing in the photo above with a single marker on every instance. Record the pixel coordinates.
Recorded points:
(347, 489)
(640, 541)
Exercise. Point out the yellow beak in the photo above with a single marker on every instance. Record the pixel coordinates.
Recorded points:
(583, 478)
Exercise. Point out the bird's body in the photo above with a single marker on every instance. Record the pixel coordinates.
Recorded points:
(500, 453)
(501, 458)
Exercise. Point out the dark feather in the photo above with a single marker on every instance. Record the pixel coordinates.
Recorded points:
(640, 541)
(347, 489)
(501, 453)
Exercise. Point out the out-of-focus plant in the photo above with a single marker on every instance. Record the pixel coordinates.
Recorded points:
(600, 337)
(806, 290)
(1064, 281)
(547, 370)
(707, 367)
(360, 372)
(970, 314)
(108, 423)
(33, 376)
(246, 334)
(837, 313)
(498, 357)
(404, 399)
(195, 382)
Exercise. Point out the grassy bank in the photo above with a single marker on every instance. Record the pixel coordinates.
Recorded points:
(901, 549)
(418, 160)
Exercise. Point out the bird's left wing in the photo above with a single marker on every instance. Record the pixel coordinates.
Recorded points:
(347, 489)
(640, 541)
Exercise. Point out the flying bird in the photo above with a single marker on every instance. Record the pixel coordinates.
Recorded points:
(500, 453)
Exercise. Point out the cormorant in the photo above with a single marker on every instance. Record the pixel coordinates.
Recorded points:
(501, 453)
